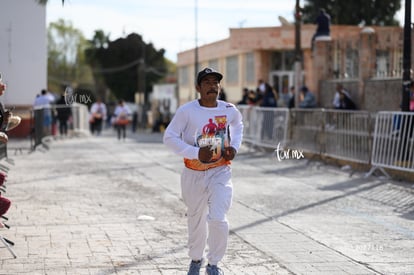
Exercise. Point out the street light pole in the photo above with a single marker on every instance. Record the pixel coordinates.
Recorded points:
(298, 54)
(405, 104)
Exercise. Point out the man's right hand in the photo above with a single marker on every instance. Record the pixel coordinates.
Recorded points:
(205, 154)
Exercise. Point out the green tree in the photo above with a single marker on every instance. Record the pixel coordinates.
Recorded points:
(126, 65)
(66, 60)
(93, 52)
(354, 12)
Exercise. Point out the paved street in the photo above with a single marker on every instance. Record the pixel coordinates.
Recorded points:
(96, 205)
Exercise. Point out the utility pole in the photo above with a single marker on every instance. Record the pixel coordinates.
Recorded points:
(405, 104)
(142, 84)
(196, 46)
(298, 54)
(407, 126)
(143, 76)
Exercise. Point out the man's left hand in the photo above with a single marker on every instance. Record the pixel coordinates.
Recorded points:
(229, 153)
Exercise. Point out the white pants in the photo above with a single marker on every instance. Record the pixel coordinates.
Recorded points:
(207, 195)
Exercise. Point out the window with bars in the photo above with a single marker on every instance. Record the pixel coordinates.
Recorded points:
(283, 61)
(382, 63)
(214, 64)
(183, 76)
(351, 63)
(232, 69)
(249, 72)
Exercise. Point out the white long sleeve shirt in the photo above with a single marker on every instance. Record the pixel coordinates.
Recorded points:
(98, 110)
(122, 110)
(194, 126)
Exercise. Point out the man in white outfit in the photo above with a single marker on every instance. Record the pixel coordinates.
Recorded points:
(97, 116)
(207, 133)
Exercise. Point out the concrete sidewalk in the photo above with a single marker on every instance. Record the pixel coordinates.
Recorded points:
(101, 206)
(98, 206)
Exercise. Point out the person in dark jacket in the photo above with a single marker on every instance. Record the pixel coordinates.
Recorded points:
(268, 101)
(308, 99)
(323, 22)
(345, 101)
(63, 113)
(269, 98)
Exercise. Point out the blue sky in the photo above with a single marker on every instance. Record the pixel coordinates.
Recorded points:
(170, 24)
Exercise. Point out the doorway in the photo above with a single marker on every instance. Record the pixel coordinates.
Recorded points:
(281, 80)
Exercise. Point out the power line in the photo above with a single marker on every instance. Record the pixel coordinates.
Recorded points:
(117, 69)
(127, 66)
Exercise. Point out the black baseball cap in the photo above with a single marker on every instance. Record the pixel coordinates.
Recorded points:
(208, 71)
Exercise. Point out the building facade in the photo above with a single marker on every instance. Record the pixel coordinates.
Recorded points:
(362, 58)
(23, 47)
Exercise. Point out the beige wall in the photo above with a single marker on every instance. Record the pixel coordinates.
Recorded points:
(23, 58)
(317, 65)
(219, 51)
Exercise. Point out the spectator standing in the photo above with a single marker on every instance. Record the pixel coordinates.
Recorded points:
(134, 121)
(308, 99)
(260, 91)
(252, 98)
(288, 97)
(63, 113)
(245, 96)
(42, 106)
(269, 97)
(261, 86)
(268, 100)
(412, 97)
(43, 100)
(345, 101)
(339, 89)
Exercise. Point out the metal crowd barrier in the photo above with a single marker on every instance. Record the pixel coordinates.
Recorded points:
(248, 114)
(338, 134)
(383, 140)
(306, 127)
(393, 144)
(348, 135)
(264, 126)
(46, 123)
(41, 125)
